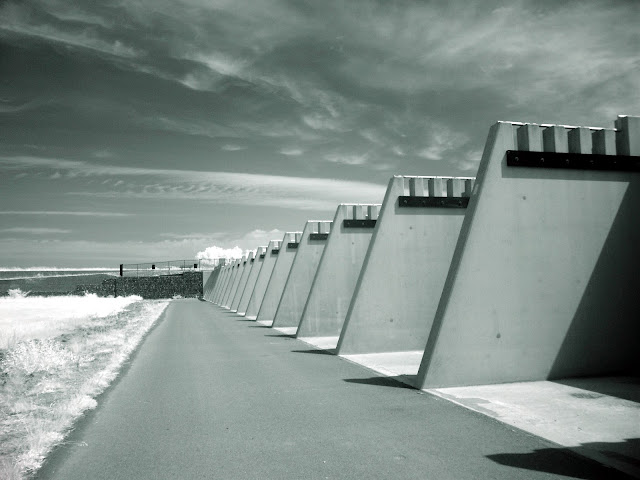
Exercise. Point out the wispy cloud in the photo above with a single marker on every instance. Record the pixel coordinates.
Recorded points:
(70, 213)
(291, 151)
(233, 148)
(34, 230)
(223, 187)
(16, 21)
(347, 159)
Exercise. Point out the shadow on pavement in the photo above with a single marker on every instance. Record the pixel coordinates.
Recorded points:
(380, 382)
(316, 351)
(626, 388)
(562, 461)
(282, 335)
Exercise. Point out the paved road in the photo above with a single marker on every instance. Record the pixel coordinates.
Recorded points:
(211, 395)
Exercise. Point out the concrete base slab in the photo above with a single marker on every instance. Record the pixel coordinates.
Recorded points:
(287, 330)
(401, 365)
(595, 417)
(251, 317)
(324, 343)
(266, 323)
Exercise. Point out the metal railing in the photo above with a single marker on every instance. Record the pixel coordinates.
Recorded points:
(153, 269)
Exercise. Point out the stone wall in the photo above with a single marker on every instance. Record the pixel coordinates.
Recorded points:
(167, 286)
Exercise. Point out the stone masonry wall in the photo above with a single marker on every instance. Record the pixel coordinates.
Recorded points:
(167, 286)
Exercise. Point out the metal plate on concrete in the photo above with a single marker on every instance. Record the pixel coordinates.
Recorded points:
(575, 161)
(433, 202)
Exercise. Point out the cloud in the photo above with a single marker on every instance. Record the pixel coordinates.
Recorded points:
(71, 213)
(441, 141)
(34, 230)
(213, 253)
(17, 21)
(248, 242)
(223, 187)
(291, 151)
(347, 159)
(233, 148)
(320, 122)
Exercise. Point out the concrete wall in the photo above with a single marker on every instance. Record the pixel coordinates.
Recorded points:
(335, 279)
(278, 277)
(251, 281)
(405, 267)
(303, 269)
(271, 255)
(544, 280)
(246, 270)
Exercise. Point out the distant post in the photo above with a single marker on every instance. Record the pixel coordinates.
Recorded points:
(121, 269)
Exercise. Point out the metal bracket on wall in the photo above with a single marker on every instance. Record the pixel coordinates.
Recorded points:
(318, 236)
(574, 161)
(358, 223)
(262, 255)
(252, 260)
(275, 251)
(293, 245)
(434, 202)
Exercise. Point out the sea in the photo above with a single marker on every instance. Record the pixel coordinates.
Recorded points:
(58, 353)
(43, 281)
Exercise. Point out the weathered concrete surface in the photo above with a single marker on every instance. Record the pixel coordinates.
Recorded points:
(303, 269)
(337, 273)
(209, 279)
(248, 266)
(253, 307)
(210, 395)
(251, 281)
(233, 271)
(233, 284)
(544, 282)
(401, 280)
(598, 417)
(279, 275)
(223, 285)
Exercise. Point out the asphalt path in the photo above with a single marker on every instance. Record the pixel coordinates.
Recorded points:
(209, 394)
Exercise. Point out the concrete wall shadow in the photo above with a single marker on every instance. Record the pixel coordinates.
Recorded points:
(604, 335)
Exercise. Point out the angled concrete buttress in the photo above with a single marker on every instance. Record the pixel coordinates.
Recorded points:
(236, 282)
(544, 280)
(233, 282)
(404, 270)
(270, 257)
(278, 277)
(251, 281)
(248, 266)
(208, 282)
(296, 290)
(213, 281)
(221, 284)
(335, 279)
(230, 276)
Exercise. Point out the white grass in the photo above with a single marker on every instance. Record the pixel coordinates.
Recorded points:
(51, 370)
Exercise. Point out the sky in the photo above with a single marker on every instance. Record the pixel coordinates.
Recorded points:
(150, 130)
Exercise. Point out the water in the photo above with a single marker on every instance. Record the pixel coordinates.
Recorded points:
(51, 281)
(57, 353)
